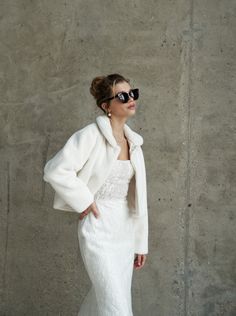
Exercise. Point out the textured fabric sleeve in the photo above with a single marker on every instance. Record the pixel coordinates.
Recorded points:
(141, 222)
(141, 234)
(61, 170)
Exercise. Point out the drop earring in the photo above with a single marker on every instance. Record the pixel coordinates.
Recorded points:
(109, 114)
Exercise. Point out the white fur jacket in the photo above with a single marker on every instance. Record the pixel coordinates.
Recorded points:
(80, 168)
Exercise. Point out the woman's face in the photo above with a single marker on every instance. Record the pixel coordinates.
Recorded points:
(119, 109)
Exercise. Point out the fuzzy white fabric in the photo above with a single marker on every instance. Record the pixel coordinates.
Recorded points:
(82, 166)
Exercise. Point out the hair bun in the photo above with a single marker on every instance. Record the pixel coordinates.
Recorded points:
(95, 87)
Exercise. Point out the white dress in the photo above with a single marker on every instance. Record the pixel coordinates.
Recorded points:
(107, 247)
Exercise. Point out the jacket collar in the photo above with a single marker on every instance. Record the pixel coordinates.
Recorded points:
(104, 125)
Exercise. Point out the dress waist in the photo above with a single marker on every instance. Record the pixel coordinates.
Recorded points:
(113, 201)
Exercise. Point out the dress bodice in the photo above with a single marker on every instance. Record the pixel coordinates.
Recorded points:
(117, 183)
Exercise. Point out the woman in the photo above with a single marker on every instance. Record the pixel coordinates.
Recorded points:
(100, 173)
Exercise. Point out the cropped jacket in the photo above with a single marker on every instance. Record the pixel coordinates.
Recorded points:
(81, 166)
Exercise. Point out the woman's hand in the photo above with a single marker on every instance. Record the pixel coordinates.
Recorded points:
(92, 208)
(139, 261)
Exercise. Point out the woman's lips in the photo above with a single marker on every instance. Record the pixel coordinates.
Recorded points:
(131, 107)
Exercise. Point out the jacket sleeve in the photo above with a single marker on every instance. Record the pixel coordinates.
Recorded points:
(141, 234)
(141, 222)
(61, 170)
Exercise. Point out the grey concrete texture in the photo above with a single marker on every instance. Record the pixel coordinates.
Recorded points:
(181, 54)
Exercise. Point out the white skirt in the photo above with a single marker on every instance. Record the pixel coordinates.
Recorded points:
(107, 249)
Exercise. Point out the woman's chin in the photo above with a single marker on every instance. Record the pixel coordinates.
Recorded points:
(131, 113)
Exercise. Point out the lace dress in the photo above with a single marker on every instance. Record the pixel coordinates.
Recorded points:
(107, 247)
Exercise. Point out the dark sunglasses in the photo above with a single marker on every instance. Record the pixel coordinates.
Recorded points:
(124, 96)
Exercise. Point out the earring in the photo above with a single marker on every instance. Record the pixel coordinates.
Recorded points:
(109, 114)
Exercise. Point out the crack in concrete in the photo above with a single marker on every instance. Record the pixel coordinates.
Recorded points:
(189, 48)
(6, 238)
(44, 160)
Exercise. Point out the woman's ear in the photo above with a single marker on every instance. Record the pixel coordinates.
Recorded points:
(105, 106)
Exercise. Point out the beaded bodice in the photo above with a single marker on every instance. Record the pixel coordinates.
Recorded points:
(117, 183)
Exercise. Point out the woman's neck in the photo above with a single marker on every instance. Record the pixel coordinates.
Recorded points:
(118, 127)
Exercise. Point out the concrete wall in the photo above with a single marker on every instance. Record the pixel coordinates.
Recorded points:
(181, 54)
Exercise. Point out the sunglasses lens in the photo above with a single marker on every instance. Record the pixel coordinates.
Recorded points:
(123, 97)
(135, 94)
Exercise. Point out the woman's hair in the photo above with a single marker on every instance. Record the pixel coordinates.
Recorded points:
(102, 87)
